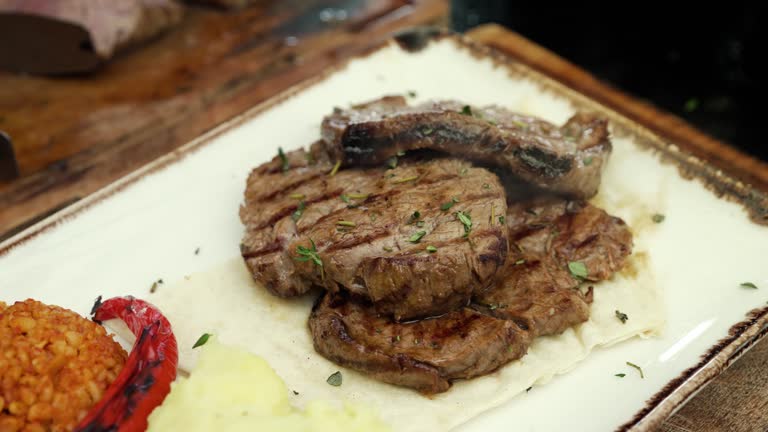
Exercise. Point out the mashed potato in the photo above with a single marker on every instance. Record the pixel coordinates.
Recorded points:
(233, 390)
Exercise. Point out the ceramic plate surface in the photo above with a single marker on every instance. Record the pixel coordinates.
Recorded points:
(147, 226)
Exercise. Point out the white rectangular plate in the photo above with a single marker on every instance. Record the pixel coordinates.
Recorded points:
(147, 226)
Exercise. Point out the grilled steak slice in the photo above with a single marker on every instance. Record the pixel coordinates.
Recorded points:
(539, 292)
(547, 234)
(569, 231)
(367, 231)
(568, 160)
(424, 355)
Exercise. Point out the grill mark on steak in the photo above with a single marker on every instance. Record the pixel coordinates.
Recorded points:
(392, 193)
(268, 249)
(425, 355)
(290, 187)
(287, 211)
(375, 259)
(568, 160)
(381, 232)
(356, 240)
(372, 198)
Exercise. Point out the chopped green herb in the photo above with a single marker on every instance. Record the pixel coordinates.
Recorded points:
(306, 254)
(297, 196)
(405, 179)
(335, 168)
(622, 316)
(201, 340)
(335, 379)
(420, 223)
(639, 369)
(415, 238)
(346, 223)
(467, 110)
(415, 216)
(283, 159)
(373, 216)
(528, 389)
(521, 125)
(748, 285)
(431, 249)
(447, 205)
(486, 186)
(400, 153)
(658, 218)
(691, 105)
(299, 210)
(392, 162)
(621, 375)
(520, 261)
(387, 248)
(397, 338)
(578, 269)
(344, 198)
(295, 392)
(426, 131)
(358, 196)
(587, 160)
(412, 93)
(465, 219)
(464, 171)
(502, 219)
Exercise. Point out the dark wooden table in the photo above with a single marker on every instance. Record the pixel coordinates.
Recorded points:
(75, 135)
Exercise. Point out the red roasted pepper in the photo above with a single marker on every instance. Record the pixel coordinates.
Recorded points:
(145, 379)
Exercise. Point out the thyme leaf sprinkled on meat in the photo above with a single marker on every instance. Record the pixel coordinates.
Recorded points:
(284, 164)
(578, 269)
(466, 220)
(310, 254)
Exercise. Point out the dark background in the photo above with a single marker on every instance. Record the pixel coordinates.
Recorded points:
(705, 63)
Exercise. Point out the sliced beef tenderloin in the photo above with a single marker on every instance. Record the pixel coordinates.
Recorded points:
(417, 240)
(425, 355)
(568, 160)
(547, 234)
